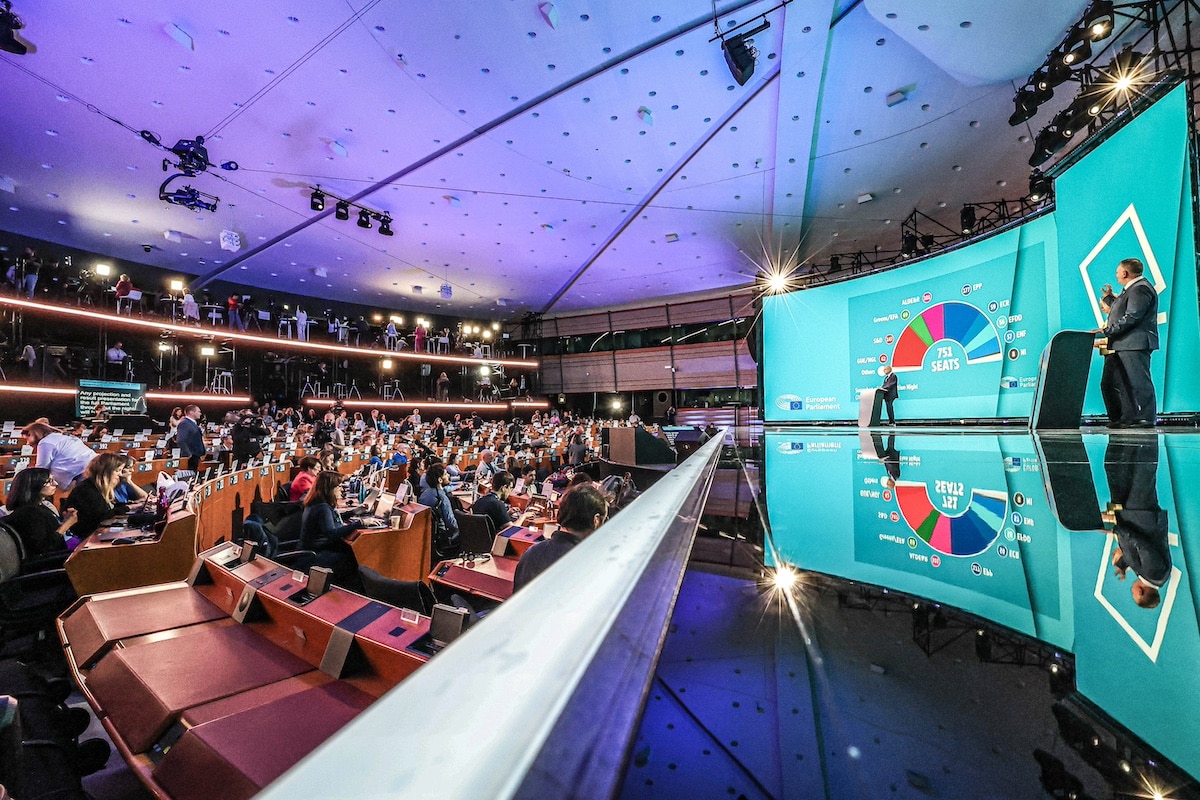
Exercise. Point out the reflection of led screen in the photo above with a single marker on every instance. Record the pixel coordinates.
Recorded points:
(967, 521)
(956, 519)
(964, 330)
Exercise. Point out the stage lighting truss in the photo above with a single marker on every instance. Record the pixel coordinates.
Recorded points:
(1096, 25)
(1106, 92)
(922, 235)
(341, 210)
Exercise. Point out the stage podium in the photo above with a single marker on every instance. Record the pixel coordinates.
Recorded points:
(1062, 381)
(870, 403)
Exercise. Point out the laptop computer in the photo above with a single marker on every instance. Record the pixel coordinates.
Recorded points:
(383, 508)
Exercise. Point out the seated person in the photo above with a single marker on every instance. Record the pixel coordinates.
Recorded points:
(581, 511)
(322, 531)
(33, 515)
(529, 475)
(487, 467)
(94, 499)
(416, 476)
(127, 491)
(376, 461)
(310, 468)
(436, 498)
(452, 468)
(494, 504)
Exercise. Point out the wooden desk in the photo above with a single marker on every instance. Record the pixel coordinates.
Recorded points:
(521, 539)
(143, 688)
(490, 580)
(97, 566)
(404, 555)
(91, 627)
(225, 501)
(203, 706)
(243, 743)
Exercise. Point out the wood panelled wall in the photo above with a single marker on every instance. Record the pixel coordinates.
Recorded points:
(703, 365)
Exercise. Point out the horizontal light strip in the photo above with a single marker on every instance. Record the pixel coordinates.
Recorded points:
(232, 398)
(530, 403)
(8, 387)
(328, 401)
(203, 333)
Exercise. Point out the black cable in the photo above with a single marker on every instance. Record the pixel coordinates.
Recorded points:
(291, 68)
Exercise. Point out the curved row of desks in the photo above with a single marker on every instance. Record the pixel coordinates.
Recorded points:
(218, 508)
(214, 686)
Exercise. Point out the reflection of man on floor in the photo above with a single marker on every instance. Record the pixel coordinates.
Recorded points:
(1131, 466)
(890, 457)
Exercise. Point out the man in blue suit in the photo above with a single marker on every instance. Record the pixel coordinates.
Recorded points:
(1132, 331)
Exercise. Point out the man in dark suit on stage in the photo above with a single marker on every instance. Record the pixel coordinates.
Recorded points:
(1132, 331)
(891, 391)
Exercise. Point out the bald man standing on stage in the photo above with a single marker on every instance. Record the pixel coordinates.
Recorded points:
(1132, 331)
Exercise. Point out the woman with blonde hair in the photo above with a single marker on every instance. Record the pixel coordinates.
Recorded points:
(94, 499)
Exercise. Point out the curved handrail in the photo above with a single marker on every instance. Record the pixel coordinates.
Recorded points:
(543, 698)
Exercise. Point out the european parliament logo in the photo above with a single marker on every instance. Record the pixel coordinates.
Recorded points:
(791, 447)
(789, 402)
(1009, 382)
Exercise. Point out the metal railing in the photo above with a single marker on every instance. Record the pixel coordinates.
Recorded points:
(543, 698)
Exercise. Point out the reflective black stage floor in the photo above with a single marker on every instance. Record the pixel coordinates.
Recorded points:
(980, 614)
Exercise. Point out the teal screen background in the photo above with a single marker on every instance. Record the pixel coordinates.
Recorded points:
(965, 330)
(831, 511)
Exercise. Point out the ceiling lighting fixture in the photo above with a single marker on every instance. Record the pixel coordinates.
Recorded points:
(1026, 102)
(1124, 72)
(341, 211)
(784, 579)
(1040, 186)
(908, 244)
(9, 24)
(776, 282)
(1077, 50)
(1098, 21)
(1047, 143)
(966, 219)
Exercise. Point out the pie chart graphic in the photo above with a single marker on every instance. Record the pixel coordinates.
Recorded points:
(968, 534)
(954, 321)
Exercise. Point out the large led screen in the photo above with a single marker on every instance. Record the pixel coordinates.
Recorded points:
(965, 330)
